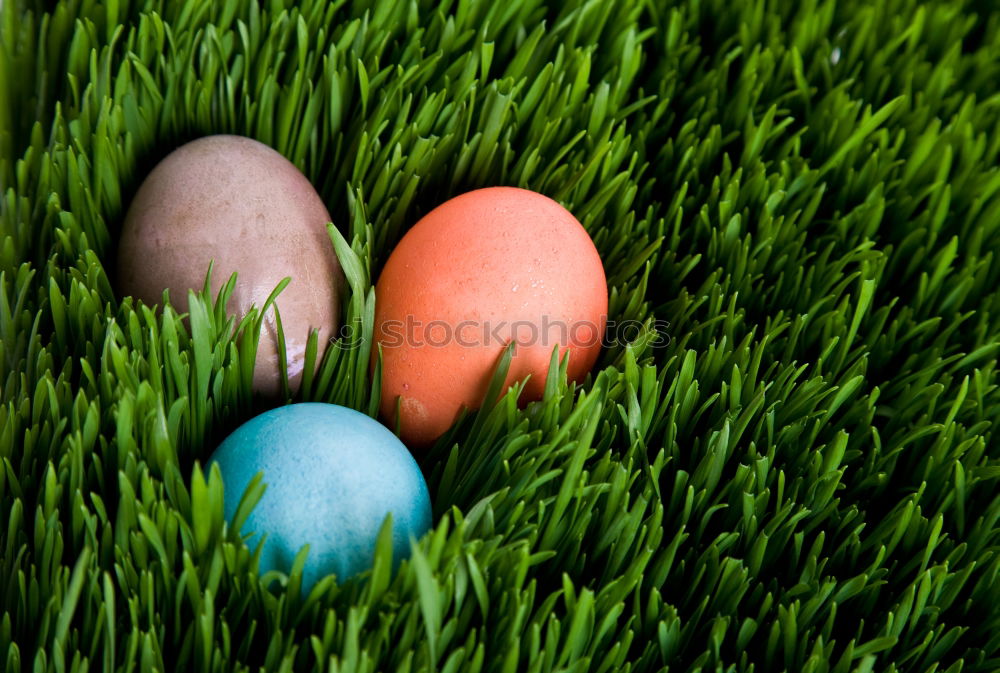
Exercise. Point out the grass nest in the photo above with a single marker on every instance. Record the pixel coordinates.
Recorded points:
(804, 198)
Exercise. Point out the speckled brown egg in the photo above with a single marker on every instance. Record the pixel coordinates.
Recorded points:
(240, 203)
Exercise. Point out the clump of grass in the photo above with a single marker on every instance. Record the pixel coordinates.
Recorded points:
(803, 479)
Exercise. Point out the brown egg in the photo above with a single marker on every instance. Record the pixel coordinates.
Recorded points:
(238, 202)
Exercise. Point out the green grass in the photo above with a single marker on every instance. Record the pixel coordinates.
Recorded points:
(805, 479)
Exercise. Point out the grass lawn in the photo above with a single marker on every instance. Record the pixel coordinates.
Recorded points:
(790, 465)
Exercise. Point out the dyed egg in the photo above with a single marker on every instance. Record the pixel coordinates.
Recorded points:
(332, 475)
(483, 269)
(238, 202)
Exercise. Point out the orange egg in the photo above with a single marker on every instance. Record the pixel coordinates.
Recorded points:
(484, 269)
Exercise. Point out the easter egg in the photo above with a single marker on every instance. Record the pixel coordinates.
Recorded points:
(238, 202)
(332, 475)
(486, 268)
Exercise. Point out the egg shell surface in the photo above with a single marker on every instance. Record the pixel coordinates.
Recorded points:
(240, 203)
(332, 475)
(485, 268)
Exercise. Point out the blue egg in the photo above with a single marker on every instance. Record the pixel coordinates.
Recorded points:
(332, 475)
